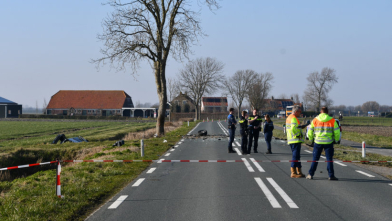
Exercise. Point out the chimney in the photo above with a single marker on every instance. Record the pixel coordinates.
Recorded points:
(292, 98)
(272, 97)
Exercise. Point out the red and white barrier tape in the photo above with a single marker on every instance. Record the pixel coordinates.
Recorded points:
(220, 161)
(27, 165)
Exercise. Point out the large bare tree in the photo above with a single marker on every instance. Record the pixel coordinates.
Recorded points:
(238, 85)
(370, 106)
(200, 77)
(319, 85)
(150, 30)
(259, 90)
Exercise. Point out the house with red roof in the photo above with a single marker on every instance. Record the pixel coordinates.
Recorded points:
(90, 103)
(214, 104)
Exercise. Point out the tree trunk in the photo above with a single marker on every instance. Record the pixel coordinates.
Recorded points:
(196, 112)
(160, 81)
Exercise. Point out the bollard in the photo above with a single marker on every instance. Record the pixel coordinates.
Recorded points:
(188, 123)
(212, 120)
(284, 128)
(58, 183)
(363, 149)
(142, 147)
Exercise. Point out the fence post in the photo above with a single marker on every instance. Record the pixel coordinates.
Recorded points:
(188, 123)
(142, 147)
(363, 149)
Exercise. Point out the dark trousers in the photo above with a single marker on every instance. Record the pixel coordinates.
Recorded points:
(244, 141)
(268, 138)
(231, 134)
(317, 149)
(253, 136)
(296, 149)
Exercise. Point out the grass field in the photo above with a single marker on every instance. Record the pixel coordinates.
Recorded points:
(84, 185)
(367, 121)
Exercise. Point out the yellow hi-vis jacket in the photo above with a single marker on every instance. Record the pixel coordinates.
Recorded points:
(324, 130)
(294, 134)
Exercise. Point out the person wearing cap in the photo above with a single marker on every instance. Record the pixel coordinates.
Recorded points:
(324, 131)
(231, 125)
(254, 130)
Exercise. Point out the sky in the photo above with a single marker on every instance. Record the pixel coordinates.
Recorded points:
(47, 46)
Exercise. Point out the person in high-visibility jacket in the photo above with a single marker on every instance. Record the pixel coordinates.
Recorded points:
(294, 139)
(325, 131)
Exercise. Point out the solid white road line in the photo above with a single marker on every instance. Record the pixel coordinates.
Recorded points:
(283, 194)
(366, 174)
(160, 161)
(151, 170)
(344, 165)
(247, 164)
(139, 181)
(238, 151)
(118, 202)
(268, 194)
(257, 165)
(168, 154)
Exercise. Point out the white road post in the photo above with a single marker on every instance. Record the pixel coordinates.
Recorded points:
(363, 149)
(142, 147)
(188, 123)
(284, 128)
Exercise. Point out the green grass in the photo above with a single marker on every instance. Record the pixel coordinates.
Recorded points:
(367, 121)
(370, 139)
(84, 185)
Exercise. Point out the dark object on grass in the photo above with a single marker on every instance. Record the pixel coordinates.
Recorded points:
(62, 138)
(202, 133)
(119, 143)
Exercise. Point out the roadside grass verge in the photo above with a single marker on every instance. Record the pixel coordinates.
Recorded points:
(366, 121)
(370, 139)
(84, 185)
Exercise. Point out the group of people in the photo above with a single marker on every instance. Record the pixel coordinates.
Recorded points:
(250, 128)
(324, 132)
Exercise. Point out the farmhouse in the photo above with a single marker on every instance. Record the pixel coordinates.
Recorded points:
(182, 104)
(90, 103)
(214, 104)
(9, 109)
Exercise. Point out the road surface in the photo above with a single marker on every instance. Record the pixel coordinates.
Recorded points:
(246, 190)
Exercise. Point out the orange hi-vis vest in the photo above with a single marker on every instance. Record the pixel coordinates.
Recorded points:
(294, 134)
(324, 130)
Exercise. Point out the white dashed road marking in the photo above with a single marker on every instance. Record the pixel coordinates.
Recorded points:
(257, 165)
(138, 182)
(172, 149)
(281, 192)
(238, 143)
(176, 146)
(151, 170)
(268, 194)
(366, 174)
(118, 202)
(344, 165)
(160, 161)
(308, 151)
(248, 166)
(390, 184)
(323, 157)
(168, 154)
(238, 151)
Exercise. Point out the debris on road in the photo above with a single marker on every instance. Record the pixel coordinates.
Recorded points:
(202, 133)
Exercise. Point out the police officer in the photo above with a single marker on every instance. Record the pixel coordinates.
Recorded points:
(267, 130)
(294, 139)
(244, 132)
(325, 131)
(254, 130)
(231, 125)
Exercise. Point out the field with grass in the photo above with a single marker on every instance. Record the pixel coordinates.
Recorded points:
(367, 121)
(29, 193)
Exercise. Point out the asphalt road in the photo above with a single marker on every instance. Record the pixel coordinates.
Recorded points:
(246, 191)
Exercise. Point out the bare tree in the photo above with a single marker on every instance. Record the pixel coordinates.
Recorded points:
(173, 87)
(282, 96)
(44, 106)
(259, 90)
(319, 84)
(140, 30)
(238, 85)
(370, 106)
(201, 76)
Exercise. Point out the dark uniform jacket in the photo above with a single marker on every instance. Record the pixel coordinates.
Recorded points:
(268, 127)
(256, 123)
(231, 121)
(243, 123)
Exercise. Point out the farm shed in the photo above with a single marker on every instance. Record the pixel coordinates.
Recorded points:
(89, 103)
(9, 109)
